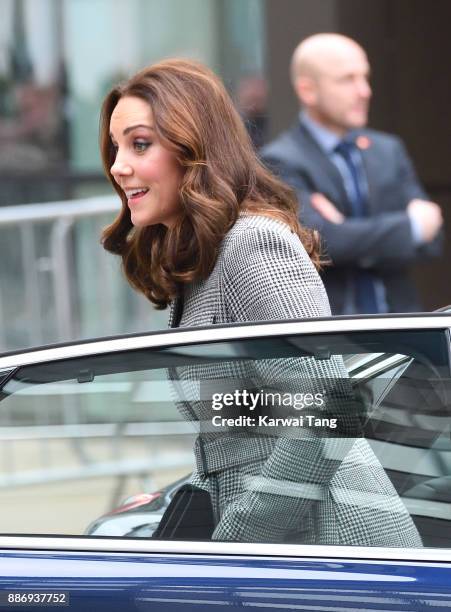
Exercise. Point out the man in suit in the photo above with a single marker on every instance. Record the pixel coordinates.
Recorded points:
(356, 186)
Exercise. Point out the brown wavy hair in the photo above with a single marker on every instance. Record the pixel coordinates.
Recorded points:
(194, 118)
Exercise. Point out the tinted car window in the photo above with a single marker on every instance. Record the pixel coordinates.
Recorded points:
(319, 439)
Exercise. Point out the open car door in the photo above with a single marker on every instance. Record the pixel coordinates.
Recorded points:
(84, 426)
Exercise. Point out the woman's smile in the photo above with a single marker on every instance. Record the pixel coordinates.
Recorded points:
(135, 195)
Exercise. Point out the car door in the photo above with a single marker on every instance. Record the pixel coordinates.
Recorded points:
(86, 425)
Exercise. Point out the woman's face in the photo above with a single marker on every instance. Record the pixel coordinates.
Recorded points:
(148, 173)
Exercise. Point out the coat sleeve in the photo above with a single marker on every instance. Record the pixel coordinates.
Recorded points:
(266, 277)
(412, 188)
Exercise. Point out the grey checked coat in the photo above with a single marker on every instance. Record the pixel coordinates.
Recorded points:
(291, 487)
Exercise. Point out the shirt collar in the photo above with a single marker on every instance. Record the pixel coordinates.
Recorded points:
(325, 138)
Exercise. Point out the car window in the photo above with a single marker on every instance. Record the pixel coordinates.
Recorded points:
(312, 439)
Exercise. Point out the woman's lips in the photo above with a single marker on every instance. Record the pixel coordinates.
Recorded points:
(135, 198)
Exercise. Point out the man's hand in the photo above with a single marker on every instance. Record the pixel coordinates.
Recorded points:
(427, 215)
(326, 209)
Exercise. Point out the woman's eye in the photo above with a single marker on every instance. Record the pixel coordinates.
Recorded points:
(140, 145)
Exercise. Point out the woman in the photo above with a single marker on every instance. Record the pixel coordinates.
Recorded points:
(186, 174)
(205, 227)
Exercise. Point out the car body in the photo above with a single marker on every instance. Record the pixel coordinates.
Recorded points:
(86, 424)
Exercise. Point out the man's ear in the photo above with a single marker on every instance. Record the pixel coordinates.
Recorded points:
(305, 89)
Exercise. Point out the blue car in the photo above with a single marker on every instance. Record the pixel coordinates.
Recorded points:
(184, 425)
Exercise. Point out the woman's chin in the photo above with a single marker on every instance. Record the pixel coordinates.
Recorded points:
(140, 221)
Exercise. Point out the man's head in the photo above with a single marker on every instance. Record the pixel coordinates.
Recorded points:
(330, 75)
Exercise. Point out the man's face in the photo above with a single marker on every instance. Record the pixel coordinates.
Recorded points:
(340, 92)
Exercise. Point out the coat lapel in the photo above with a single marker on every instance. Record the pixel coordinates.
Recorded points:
(175, 314)
(321, 169)
(373, 170)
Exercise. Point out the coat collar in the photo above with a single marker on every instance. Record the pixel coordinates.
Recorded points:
(176, 312)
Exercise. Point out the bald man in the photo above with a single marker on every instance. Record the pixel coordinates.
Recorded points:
(356, 186)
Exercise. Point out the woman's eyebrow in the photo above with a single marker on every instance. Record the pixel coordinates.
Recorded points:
(134, 127)
(139, 125)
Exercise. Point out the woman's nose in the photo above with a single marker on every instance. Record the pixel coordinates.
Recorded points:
(120, 167)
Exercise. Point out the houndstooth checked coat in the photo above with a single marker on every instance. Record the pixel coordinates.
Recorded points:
(286, 488)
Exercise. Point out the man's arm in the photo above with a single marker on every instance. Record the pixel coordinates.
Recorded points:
(425, 216)
(358, 241)
(425, 219)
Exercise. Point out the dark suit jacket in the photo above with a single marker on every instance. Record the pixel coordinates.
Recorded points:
(381, 242)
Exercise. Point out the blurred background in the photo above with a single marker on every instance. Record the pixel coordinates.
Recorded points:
(58, 58)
